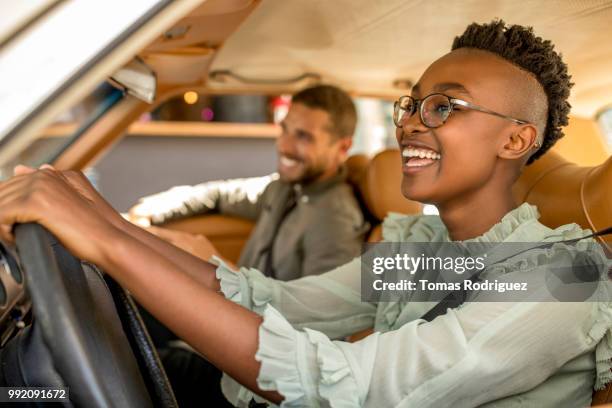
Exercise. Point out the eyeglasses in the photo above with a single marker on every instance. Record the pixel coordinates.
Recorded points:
(435, 109)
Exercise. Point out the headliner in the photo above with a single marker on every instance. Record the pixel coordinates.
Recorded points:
(365, 45)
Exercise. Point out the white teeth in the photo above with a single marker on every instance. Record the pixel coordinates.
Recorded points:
(411, 163)
(285, 161)
(420, 153)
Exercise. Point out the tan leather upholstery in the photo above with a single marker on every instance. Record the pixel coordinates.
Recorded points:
(227, 234)
(382, 186)
(357, 167)
(565, 192)
(379, 188)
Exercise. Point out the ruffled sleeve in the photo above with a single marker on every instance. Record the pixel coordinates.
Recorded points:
(602, 333)
(303, 365)
(330, 303)
(247, 287)
(306, 367)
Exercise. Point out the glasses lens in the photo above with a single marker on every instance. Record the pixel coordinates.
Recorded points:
(435, 110)
(402, 110)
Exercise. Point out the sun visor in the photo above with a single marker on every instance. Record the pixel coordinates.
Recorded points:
(137, 79)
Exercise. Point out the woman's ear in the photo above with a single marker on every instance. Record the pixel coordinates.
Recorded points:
(520, 143)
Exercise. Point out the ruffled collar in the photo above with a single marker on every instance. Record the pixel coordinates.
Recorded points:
(514, 226)
(519, 225)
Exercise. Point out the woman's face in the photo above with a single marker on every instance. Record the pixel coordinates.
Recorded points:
(465, 148)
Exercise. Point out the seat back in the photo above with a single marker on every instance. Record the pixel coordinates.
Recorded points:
(378, 185)
(567, 193)
(227, 234)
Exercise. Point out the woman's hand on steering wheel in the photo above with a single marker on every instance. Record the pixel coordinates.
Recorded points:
(61, 203)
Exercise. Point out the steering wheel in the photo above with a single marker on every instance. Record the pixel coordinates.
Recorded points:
(77, 338)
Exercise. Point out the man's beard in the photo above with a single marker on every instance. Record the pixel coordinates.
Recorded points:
(310, 174)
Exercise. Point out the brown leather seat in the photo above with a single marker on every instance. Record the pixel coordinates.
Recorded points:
(379, 187)
(227, 234)
(565, 192)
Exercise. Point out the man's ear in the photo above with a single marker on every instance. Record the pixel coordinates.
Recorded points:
(520, 143)
(344, 145)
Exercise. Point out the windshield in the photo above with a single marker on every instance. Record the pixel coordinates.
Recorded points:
(65, 130)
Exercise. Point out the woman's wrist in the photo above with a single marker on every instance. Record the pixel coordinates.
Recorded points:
(115, 243)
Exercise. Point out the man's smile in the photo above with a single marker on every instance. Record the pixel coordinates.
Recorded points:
(288, 162)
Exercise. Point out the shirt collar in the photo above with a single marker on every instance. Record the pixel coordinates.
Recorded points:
(318, 187)
(518, 225)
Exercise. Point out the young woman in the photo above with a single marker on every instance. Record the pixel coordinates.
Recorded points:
(476, 117)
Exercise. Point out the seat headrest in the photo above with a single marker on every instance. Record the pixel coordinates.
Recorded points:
(566, 193)
(379, 184)
(357, 166)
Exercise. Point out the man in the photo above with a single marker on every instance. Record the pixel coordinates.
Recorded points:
(308, 220)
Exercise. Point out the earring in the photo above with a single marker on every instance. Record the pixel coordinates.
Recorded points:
(536, 145)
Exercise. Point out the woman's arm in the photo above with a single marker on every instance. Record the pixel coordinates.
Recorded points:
(225, 333)
(337, 312)
(200, 270)
(203, 272)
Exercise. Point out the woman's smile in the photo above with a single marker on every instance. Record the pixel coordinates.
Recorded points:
(418, 158)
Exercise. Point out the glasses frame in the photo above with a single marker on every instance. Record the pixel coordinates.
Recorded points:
(418, 105)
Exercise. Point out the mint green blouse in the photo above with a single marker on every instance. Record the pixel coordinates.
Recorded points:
(528, 354)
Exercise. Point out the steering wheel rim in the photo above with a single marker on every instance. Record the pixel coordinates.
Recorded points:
(97, 365)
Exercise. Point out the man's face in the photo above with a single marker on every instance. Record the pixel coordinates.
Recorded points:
(469, 141)
(307, 151)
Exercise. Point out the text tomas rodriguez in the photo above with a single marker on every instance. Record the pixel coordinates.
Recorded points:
(467, 285)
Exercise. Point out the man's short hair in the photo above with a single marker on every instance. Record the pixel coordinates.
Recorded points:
(520, 46)
(333, 100)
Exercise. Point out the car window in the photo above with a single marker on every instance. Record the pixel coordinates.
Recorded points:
(67, 128)
(19, 14)
(62, 56)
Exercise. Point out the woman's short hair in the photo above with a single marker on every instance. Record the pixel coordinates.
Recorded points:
(520, 46)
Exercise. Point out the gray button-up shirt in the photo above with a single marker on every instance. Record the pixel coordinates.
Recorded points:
(323, 230)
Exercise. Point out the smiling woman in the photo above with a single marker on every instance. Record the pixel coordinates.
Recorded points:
(479, 118)
(271, 337)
